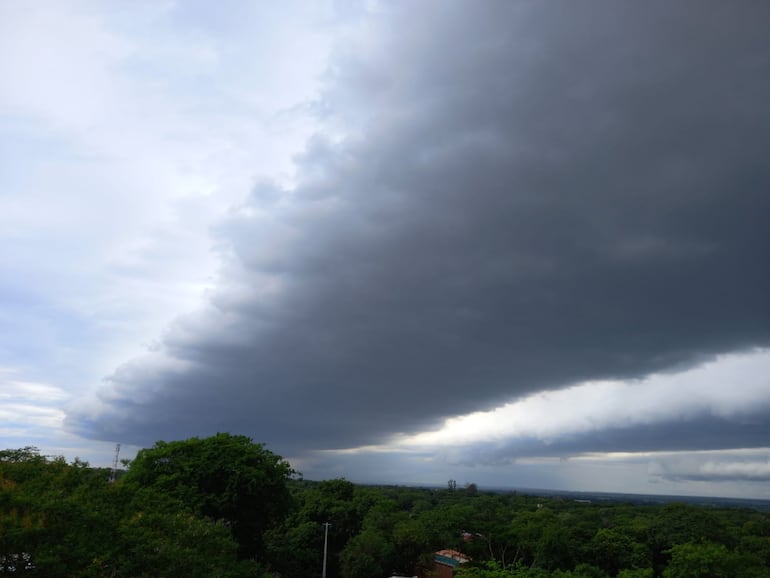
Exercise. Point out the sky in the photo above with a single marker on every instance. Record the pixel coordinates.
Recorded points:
(511, 243)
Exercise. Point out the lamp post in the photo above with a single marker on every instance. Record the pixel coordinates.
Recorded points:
(326, 541)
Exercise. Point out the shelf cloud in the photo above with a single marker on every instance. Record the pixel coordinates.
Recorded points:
(504, 199)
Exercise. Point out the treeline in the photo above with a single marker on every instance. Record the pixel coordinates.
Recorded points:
(195, 508)
(382, 531)
(226, 507)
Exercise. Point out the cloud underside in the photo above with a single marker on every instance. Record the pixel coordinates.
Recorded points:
(715, 470)
(524, 197)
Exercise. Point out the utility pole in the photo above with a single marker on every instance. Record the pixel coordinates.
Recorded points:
(114, 472)
(326, 541)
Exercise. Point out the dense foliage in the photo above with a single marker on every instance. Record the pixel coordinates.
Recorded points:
(63, 520)
(224, 506)
(225, 478)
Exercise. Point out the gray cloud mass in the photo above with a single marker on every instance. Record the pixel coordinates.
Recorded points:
(527, 195)
(714, 433)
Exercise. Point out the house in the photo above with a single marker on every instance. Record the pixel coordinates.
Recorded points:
(444, 564)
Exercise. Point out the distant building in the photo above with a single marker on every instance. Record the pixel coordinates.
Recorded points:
(455, 555)
(444, 564)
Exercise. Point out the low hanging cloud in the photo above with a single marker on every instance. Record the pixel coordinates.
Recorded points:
(516, 197)
(724, 404)
(754, 471)
(738, 466)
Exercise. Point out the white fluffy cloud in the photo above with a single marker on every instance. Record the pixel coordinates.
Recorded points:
(125, 134)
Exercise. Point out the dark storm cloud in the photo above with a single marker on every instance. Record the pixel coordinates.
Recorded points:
(529, 195)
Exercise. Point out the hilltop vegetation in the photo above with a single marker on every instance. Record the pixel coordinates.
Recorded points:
(225, 506)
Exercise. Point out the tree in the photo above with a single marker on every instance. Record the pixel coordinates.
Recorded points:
(226, 478)
(53, 518)
(176, 544)
(709, 560)
(298, 544)
(613, 551)
(636, 573)
(683, 523)
(366, 555)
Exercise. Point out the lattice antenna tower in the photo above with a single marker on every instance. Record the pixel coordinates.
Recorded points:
(114, 472)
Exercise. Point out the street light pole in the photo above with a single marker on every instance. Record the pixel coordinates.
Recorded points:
(326, 541)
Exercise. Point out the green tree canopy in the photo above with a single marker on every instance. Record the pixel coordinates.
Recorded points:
(225, 477)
